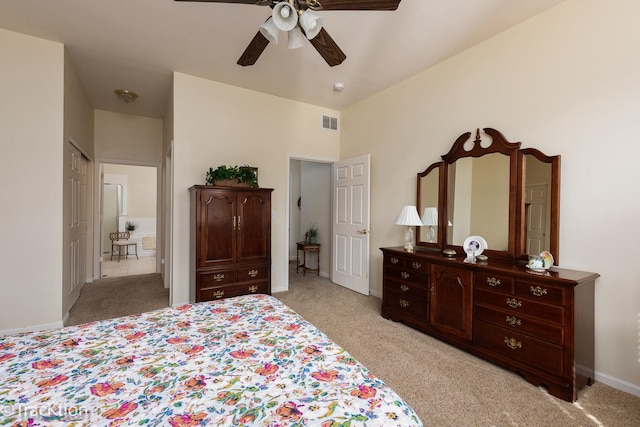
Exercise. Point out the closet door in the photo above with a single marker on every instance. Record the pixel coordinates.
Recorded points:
(216, 227)
(254, 225)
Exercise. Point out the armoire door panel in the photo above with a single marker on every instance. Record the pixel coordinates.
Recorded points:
(217, 230)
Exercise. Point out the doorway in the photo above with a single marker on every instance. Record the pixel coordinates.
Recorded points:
(129, 204)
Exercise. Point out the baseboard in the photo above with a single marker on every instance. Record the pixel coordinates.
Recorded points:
(618, 383)
(36, 328)
(375, 294)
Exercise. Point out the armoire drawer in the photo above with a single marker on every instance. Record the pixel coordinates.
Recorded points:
(211, 294)
(516, 305)
(253, 273)
(546, 331)
(215, 278)
(520, 347)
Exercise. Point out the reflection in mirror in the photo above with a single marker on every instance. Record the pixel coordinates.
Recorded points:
(540, 201)
(428, 204)
(478, 200)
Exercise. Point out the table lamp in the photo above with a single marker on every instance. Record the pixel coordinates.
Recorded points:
(430, 219)
(409, 217)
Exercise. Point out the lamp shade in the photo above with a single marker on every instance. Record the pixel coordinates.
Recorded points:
(296, 38)
(310, 23)
(270, 31)
(284, 16)
(430, 216)
(409, 216)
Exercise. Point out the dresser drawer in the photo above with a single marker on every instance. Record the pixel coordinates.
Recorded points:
(211, 294)
(411, 290)
(540, 291)
(540, 354)
(253, 273)
(515, 305)
(394, 260)
(546, 331)
(405, 303)
(215, 278)
(494, 282)
(407, 275)
(407, 263)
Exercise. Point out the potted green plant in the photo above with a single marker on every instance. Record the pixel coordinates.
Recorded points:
(130, 226)
(233, 176)
(311, 236)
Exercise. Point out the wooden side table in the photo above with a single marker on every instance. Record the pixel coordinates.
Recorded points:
(307, 247)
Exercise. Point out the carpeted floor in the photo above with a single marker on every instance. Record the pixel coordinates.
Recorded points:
(446, 386)
(118, 296)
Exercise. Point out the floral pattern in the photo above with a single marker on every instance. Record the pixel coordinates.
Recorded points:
(244, 361)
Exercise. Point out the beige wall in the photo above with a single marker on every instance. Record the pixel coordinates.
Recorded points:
(128, 138)
(31, 137)
(141, 188)
(217, 124)
(565, 82)
(316, 208)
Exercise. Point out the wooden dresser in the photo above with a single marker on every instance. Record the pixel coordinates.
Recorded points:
(230, 241)
(540, 325)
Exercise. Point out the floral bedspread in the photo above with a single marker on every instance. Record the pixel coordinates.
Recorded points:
(245, 361)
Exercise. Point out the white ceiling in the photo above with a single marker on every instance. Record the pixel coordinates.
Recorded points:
(137, 44)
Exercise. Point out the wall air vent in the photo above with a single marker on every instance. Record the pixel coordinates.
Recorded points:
(329, 123)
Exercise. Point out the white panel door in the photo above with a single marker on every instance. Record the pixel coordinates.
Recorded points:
(75, 219)
(350, 188)
(535, 210)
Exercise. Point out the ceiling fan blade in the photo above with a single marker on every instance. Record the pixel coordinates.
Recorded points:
(254, 50)
(354, 4)
(258, 2)
(328, 49)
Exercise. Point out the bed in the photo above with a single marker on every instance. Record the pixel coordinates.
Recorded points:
(244, 361)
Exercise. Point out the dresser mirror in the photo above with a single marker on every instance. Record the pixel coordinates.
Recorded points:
(429, 203)
(489, 187)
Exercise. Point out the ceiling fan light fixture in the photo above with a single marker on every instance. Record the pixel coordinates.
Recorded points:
(125, 95)
(310, 23)
(284, 16)
(296, 38)
(270, 31)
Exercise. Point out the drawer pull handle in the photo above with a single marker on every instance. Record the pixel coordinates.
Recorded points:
(394, 260)
(218, 277)
(512, 343)
(537, 291)
(404, 303)
(514, 303)
(416, 265)
(218, 294)
(253, 289)
(404, 288)
(253, 273)
(404, 275)
(514, 321)
(492, 281)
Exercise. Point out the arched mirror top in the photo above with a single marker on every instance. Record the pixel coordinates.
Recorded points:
(465, 147)
(488, 186)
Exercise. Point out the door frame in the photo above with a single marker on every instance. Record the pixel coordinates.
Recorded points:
(304, 158)
(97, 209)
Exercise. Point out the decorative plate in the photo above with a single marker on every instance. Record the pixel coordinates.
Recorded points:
(474, 245)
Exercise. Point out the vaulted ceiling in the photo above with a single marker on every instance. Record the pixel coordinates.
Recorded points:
(137, 44)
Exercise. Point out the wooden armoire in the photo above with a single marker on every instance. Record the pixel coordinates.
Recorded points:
(230, 241)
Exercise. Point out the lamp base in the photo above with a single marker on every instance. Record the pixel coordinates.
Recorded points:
(408, 240)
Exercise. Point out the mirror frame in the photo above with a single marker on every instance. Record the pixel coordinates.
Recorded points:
(554, 225)
(516, 250)
(440, 237)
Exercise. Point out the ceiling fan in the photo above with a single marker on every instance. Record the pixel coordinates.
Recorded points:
(296, 17)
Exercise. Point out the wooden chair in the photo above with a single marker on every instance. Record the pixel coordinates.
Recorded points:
(120, 240)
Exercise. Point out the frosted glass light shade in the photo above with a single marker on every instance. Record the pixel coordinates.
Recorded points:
(409, 216)
(296, 38)
(270, 31)
(284, 16)
(310, 23)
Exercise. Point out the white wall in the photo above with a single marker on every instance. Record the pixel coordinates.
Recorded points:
(216, 124)
(565, 82)
(31, 139)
